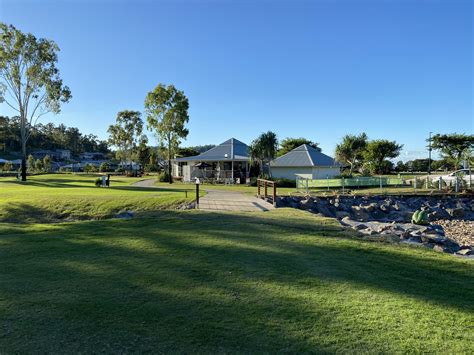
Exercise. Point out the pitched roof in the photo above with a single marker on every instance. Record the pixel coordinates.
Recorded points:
(231, 149)
(303, 156)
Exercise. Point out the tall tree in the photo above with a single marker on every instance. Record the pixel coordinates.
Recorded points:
(350, 150)
(30, 82)
(288, 144)
(127, 134)
(454, 147)
(263, 149)
(167, 115)
(378, 151)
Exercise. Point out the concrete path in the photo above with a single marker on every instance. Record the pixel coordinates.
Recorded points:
(222, 200)
(145, 183)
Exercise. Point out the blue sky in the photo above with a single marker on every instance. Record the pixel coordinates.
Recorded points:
(395, 69)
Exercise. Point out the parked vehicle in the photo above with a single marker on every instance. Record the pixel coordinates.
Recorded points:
(464, 174)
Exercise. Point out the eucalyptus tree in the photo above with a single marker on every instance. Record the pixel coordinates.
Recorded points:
(167, 114)
(127, 134)
(30, 83)
(350, 150)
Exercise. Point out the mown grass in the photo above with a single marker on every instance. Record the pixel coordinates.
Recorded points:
(191, 281)
(65, 196)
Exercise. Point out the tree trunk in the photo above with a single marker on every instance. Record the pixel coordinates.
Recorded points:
(23, 160)
(169, 160)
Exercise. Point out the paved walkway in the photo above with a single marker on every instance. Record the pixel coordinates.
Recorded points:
(145, 183)
(222, 200)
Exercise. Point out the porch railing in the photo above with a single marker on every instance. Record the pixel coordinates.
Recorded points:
(220, 176)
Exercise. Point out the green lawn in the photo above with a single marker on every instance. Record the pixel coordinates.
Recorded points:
(195, 281)
(67, 196)
(191, 281)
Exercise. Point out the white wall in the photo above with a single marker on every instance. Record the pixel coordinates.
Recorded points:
(310, 173)
(290, 172)
(323, 173)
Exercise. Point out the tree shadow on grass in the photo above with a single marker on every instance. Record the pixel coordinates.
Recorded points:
(211, 281)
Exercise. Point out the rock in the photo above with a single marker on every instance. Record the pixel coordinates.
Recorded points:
(385, 207)
(359, 226)
(465, 252)
(455, 212)
(415, 239)
(360, 213)
(342, 214)
(368, 231)
(306, 204)
(125, 215)
(325, 211)
(439, 248)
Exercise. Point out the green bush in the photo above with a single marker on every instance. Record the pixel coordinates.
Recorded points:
(104, 167)
(98, 182)
(164, 177)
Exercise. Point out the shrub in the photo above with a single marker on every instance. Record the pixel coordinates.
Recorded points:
(90, 168)
(47, 163)
(98, 182)
(8, 166)
(38, 165)
(164, 177)
(104, 167)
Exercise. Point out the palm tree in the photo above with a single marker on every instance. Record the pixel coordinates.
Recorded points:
(263, 149)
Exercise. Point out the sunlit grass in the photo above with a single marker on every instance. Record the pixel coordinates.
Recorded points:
(191, 281)
(66, 196)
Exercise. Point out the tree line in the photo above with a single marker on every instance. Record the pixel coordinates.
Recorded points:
(49, 137)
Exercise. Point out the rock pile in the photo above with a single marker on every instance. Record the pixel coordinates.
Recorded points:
(391, 215)
(459, 230)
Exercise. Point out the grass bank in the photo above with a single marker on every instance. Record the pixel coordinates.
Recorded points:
(190, 281)
(65, 196)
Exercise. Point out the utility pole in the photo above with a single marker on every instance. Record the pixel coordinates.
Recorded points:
(429, 151)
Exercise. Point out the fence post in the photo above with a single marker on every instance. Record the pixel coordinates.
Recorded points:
(258, 188)
(415, 182)
(456, 184)
(440, 183)
(274, 195)
(327, 181)
(380, 177)
(307, 189)
(265, 188)
(343, 185)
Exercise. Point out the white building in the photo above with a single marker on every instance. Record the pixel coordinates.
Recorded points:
(305, 162)
(227, 162)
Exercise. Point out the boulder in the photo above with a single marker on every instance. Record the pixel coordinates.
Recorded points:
(342, 214)
(306, 204)
(456, 212)
(465, 252)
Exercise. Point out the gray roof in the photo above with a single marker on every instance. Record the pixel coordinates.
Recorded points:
(231, 149)
(303, 156)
